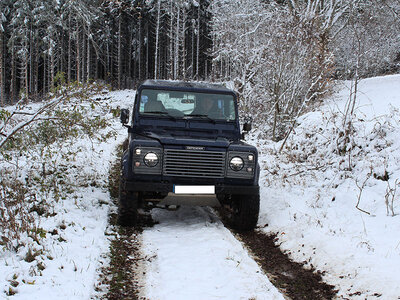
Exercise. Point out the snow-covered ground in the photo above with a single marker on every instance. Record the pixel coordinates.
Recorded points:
(309, 194)
(193, 256)
(309, 191)
(74, 239)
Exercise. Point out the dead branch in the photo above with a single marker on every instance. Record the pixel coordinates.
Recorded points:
(389, 197)
(306, 99)
(361, 188)
(22, 125)
(311, 169)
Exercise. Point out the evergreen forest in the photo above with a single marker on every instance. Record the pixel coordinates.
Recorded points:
(280, 55)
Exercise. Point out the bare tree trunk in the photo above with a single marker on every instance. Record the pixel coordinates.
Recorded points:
(69, 67)
(183, 47)
(83, 57)
(52, 65)
(36, 70)
(198, 43)
(157, 38)
(140, 48)
(61, 60)
(78, 56)
(171, 42)
(134, 58)
(26, 72)
(44, 89)
(31, 52)
(192, 52)
(176, 55)
(88, 59)
(276, 115)
(147, 50)
(206, 71)
(107, 62)
(2, 70)
(49, 82)
(97, 66)
(119, 59)
(112, 58)
(130, 55)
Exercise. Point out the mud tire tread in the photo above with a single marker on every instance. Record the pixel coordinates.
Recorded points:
(247, 209)
(127, 206)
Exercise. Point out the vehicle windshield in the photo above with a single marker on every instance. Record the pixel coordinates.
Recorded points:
(180, 104)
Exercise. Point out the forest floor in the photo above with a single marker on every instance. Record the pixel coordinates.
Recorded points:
(309, 227)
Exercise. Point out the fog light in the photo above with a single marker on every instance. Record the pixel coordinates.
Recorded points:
(137, 164)
(138, 151)
(249, 170)
(250, 157)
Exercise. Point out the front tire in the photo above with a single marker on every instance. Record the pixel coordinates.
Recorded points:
(244, 212)
(127, 206)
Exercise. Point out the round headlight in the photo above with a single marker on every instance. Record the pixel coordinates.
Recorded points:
(236, 163)
(151, 159)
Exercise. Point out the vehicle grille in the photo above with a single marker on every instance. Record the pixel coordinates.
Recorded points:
(205, 164)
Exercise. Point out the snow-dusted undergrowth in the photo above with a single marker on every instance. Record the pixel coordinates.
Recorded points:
(71, 202)
(310, 190)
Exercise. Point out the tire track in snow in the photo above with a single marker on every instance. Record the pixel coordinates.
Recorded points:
(193, 256)
(290, 277)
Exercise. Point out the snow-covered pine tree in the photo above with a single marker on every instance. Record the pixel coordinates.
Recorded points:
(21, 31)
(5, 9)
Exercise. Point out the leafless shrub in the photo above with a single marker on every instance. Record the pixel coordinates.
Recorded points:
(45, 138)
(390, 196)
(289, 66)
(361, 188)
(16, 221)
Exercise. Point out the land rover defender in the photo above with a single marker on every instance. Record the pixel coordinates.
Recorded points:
(185, 143)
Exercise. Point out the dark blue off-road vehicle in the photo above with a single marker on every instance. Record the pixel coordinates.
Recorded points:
(184, 147)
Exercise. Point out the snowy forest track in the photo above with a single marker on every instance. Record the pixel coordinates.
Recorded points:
(189, 253)
(192, 255)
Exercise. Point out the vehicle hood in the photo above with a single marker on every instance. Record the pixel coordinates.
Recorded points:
(167, 138)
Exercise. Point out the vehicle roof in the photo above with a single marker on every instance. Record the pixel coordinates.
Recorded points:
(184, 85)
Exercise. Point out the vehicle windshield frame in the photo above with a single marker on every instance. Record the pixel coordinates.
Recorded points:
(224, 104)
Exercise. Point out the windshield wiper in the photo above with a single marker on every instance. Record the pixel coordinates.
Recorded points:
(164, 113)
(202, 116)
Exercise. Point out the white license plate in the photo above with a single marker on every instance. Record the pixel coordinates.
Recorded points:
(194, 189)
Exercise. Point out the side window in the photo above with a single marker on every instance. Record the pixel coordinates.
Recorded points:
(227, 107)
(232, 114)
(144, 99)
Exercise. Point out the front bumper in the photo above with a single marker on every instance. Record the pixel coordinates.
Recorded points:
(166, 188)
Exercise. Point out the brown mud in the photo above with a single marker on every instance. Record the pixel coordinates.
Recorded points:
(291, 278)
(120, 277)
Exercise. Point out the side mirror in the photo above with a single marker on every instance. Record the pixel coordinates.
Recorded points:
(247, 126)
(124, 116)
